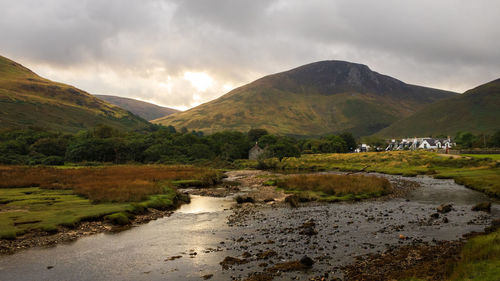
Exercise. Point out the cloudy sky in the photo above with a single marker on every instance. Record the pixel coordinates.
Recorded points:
(182, 53)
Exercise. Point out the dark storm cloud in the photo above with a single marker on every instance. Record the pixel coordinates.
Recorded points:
(144, 48)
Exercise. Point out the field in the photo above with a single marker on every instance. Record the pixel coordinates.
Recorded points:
(42, 198)
(480, 174)
(490, 156)
(335, 187)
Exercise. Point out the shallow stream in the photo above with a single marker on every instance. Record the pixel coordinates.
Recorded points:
(191, 242)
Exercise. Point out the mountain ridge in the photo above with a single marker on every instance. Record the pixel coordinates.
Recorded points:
(146, 110)
(313, 99)
(476, 110)
(27, 99)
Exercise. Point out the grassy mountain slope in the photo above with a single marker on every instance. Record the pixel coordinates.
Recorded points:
(477, 111)
(27, 99)
(314, 99)
(143, 109)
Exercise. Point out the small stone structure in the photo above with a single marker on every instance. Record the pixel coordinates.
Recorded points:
(255, 152)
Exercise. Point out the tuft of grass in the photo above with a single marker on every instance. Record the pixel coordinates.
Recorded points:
(479, 259)
(118, 218)
(335, 187)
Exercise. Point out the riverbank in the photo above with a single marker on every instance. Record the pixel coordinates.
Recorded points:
(42, 206)
(66, 234)
(478, 174)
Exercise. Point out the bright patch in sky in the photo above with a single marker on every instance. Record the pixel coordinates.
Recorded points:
(199, 80)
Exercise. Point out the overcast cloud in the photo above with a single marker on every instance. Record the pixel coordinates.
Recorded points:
(182, 53)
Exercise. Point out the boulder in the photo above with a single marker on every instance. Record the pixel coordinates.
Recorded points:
(293, 200)
(484, 206)
(307, 261)
(444, 208)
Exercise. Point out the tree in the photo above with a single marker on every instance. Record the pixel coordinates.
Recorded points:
(267, 140)
(465, 139)
(284, 149)
(255, 134)
(495, 139)
(350, 141)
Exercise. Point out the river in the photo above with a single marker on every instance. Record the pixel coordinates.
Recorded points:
(190, 243)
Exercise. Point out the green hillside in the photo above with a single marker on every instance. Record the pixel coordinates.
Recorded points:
(476, 111)
(143, 109)
(315, 99)
(27, 99)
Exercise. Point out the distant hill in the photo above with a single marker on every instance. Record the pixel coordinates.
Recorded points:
(477, 111)
(27, 99)
(143, 109)
(314, 99)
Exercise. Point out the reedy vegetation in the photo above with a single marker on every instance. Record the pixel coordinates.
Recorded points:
(42, 198)
(335, 187)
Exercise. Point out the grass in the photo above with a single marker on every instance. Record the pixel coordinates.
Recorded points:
(335, 187)
(480, 174)
(43, 198)
(490, 156)
(33, 208)
(480, 259)
(109, 183)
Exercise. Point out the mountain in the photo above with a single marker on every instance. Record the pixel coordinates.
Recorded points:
(27, 99)
(314, 99)
(143, 109)
(477, 111)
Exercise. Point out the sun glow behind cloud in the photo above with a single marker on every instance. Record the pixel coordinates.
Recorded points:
(199, 80)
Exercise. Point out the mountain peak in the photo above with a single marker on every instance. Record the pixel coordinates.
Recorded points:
(334, 76)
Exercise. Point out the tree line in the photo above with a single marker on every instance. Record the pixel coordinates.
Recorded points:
(160, 144)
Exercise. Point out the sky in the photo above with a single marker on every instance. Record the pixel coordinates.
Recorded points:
(183, 53)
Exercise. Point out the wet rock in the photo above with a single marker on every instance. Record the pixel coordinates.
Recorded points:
(50, 267)
(229, 261)
(246, 255)
(484, 206)
(307, 261)
(173, 258)
(207, 276)
(293, 200)
(309, 231)
(260, 276)
(288, 266)
(445, 220)
(435, 215)
(444, 208)
(244, 199)
(266, 255)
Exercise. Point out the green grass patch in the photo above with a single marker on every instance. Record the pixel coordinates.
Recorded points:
(40, 209)
(480, 259)
(120, 218)
(495, 157)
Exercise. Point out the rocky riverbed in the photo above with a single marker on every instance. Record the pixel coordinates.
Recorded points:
(414, 226)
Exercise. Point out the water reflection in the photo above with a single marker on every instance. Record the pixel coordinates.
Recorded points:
(202, 204)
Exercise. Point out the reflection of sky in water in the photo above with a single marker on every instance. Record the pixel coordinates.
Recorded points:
(200, 204)
(140, 253)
